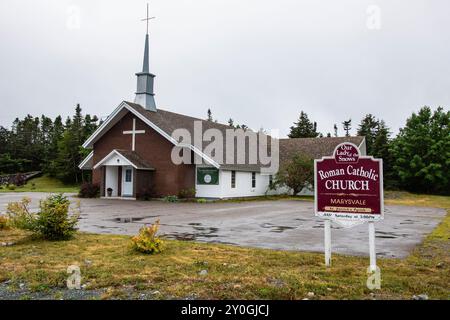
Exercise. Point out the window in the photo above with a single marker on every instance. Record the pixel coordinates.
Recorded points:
(233, 179)
(270, 180)
(253, 179)
(128, 175)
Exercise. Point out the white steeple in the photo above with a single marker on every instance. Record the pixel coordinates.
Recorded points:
(144, 93)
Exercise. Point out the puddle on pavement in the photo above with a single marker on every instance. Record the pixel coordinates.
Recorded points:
(202, 232)
(388, 235)
(275, 228)
(131, 219)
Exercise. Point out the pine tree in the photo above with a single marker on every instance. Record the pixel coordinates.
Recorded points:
(347, 125)
(209, 115)
(368, 128)
(335, 130)
(303, 128)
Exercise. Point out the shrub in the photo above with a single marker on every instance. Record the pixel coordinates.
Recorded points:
(19, 214)
(89, 190)
(201, 200)
(146, 194)
(171, 199)
(4, 223)
(11, 187)
(186, 193)
(147, 241)
(19, 179)
(52, 222)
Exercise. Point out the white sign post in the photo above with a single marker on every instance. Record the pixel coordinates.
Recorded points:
(327, 234)
(372, 252)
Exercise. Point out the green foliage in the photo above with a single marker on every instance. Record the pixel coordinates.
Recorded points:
(170, 198)
(4, 223)
(147, 241)
(40, 144)
(202, 200)
(186, 193)
(19, 214)
(303, 128)
(368, 129)
(295, 174)
(11, 187)
(422, 152)
(89, 190)
(52, 222)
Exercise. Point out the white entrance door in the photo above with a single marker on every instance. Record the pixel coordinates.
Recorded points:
(127, 181)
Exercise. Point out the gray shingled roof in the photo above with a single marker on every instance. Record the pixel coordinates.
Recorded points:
(135, 159)
(316, 148)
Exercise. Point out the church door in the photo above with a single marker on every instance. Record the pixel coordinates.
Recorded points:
(127, 181)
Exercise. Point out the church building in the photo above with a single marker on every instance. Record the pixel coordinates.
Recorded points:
(132, 149)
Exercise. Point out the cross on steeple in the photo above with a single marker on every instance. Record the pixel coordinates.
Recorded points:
(148, 18)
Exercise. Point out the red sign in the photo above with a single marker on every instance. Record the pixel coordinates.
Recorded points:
(349, 186)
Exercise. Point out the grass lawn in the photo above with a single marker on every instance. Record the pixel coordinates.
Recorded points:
(107, 262)
(44, 184)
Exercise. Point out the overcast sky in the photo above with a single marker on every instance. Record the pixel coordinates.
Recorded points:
(257, 61)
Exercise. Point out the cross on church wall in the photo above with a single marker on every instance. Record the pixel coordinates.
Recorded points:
(133, 133)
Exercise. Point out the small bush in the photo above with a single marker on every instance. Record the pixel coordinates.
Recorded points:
(186, 193)
(4, 223)
(19, 214)
(201, 200)
(147, 241)
(52, 222)
(89, 190)
(171, 199)
(11, 187)
(33, 186)
(146, 194)
(19, 179)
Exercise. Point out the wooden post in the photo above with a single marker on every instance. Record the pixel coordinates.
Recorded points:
(373, 255)
(327, 242)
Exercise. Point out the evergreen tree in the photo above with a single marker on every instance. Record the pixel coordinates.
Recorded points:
(347, 125)
(381, 149)
(303, 128)
(368, 129)
(335, 130)
(422, 151)
(209, 115)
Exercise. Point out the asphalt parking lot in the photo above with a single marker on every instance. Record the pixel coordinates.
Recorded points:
(284, 224)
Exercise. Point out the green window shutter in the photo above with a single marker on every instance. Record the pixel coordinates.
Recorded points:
(207, 176)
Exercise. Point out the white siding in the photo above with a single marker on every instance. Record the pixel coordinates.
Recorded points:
(243, 186)
(111, 180)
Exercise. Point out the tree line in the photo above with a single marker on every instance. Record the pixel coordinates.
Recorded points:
(417, 159)
(47, 145)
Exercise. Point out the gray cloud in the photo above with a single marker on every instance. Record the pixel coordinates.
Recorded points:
(257, 61)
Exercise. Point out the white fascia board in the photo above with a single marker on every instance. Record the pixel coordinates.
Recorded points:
(86, 160)
(115, 152)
